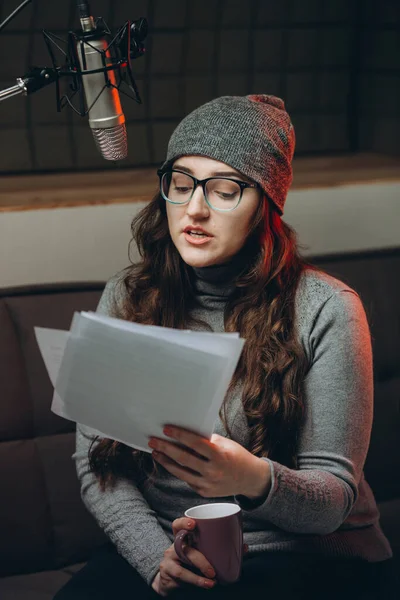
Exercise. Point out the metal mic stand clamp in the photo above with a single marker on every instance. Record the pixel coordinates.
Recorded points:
(36, 79)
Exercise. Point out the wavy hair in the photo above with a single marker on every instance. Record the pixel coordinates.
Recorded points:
(159, 290)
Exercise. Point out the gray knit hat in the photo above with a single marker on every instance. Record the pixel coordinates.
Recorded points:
(252, 134)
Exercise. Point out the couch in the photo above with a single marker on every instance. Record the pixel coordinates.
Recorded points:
(46, 534)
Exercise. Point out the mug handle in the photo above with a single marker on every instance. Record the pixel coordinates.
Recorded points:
(180, 539)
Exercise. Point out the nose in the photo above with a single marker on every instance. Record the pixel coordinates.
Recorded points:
(198, 207)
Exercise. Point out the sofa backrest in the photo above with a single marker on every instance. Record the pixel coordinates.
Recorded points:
(376, 278)
(43, 523)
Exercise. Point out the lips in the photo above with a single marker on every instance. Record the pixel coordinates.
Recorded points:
(196, 231)
(197, 236)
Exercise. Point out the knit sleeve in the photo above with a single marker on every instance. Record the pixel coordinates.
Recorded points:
(112, 297)
(317, 497)
(121, 511)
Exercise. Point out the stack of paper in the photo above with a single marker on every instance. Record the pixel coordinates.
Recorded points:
(127, 381)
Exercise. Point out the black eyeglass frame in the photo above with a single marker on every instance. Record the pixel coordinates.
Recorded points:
(203, 182)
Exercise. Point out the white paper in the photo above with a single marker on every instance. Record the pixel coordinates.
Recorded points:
(127, 380)
(52, 344)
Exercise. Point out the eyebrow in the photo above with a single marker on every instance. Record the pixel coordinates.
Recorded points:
(213, 174)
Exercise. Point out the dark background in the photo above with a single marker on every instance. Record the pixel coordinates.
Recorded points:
(336, 63)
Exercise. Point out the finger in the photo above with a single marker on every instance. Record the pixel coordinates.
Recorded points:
(196, 442)
(200, 562)
(183, 523)
(182, 455)
(192, 479)
(168, 584)
(245, 548)
(176, 571)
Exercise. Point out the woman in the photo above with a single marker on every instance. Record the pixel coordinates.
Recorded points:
(294, 429)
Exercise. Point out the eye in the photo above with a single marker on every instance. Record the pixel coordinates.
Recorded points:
(181, 189)
(225, 195)
(181, 184)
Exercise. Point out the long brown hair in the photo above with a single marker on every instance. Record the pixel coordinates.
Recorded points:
(159, 290)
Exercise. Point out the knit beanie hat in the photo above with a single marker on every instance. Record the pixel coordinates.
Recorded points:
(253, 134)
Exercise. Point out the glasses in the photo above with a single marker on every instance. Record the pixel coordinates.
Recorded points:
(220, 193)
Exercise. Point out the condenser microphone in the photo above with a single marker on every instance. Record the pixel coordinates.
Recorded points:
(100, 66)
(106, 119)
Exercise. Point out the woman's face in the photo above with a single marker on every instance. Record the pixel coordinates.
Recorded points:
(226, 233)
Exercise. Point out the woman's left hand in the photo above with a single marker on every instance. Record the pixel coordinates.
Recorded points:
(213, 468)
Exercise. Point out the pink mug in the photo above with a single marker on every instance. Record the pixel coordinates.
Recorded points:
(218, 535)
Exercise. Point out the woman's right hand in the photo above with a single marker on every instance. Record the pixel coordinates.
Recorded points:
(173, 573)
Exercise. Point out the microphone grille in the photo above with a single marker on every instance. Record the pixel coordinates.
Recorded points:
(112, 142)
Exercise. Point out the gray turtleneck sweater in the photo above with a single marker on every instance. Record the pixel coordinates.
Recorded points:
(325, 506)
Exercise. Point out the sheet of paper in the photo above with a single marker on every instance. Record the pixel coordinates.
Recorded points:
(201, 340)
(128, 382)
(52, 344)
(58, 408)
(165, 332)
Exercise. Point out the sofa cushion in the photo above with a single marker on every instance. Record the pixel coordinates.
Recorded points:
(16, 413)
(36, 586)
(382, 467)
(390, 522)
(25, 519)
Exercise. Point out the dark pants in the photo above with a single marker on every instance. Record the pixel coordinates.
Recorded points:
(278, 576)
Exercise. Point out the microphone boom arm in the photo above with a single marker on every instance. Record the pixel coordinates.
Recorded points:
(14, 14)
(36, 79)
(15, 90)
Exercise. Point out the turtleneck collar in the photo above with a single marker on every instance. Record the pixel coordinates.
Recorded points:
(218, 281)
